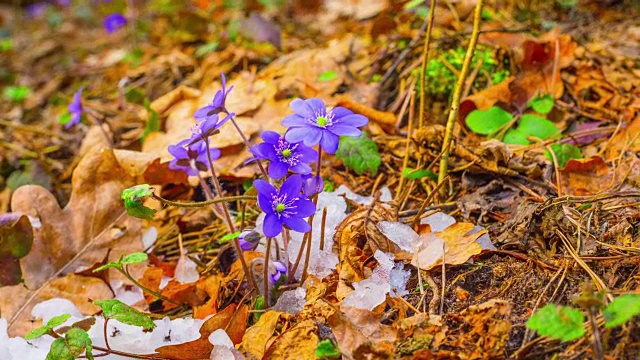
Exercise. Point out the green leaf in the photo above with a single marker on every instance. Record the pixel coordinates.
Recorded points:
(132, 198)
(153, 122)
(79, 342)
(117, 310)
(327, 75)
(60, 351)
(558, 322)
(135, 258)
(52, 323)
(542, 104)
(206, 49)
(16, 93)
(64, 118)
(359, 154)
(6, 45)
(225, 239)
(329, 185)
(485, 122)
(326, 349)
(622, 309)
(564, 153)
(530, 125)
(412, 4)
(258, 305)
(411, 173)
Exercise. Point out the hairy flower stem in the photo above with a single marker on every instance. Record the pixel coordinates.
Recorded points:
(457, 93)
(265, 281)
(99, 123)
(246, 143)
(210, 196)
(230, 225)
(185, 204)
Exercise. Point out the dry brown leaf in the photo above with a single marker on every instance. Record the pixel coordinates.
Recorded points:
(459, 246)
(233, 320)
(299, 342)
(353, 239)
(79, 235)
(257, 338)
(586, 176)
(355, 329)
(626, 140)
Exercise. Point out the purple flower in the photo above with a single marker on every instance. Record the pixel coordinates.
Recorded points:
(217, 105)
(114, 22)
(205, 128)
(283, 155)
(75, 108)
(312, 185)
(193, 159)
(249, 239)
(37, 10)
(312, 123)
(285, 206)
(280, 268)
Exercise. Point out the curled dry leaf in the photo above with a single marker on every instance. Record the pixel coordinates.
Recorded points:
(258, 338)
(16, 239)
(356, 237)
(233, 319)
(359, 331)
(76, 236)
(426, 250)
(298, 342)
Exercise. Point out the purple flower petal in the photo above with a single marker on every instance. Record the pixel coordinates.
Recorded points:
(345, 130)
(340, 111)
(294, 120)
(297, 224)
(355, 120)
(317, 106)
(300, 107)
(329, 142)
(278, 170)
(270, 137)
(301, 168)
(265, 189)
(280, 266)
(114, 22)
(297, 134)
(265, 204)
(272, 226)
(204, 112)
(305, 207)
(292, 186)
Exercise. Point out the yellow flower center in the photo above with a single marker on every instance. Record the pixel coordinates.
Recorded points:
(322, 121)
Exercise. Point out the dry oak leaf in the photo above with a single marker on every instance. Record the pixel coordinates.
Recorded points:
(258, 338)
(233, 320)
(298, 342)
(78, 235)
(586, 176)
(356, 237)
(360, 331)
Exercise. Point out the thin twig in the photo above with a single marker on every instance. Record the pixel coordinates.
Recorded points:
(455, 100)
(425, 59)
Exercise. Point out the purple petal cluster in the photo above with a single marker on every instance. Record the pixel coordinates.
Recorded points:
(283, 156)
(75, 108)
(191, 159)
(249, 240)
(313, 124)
(280, 269)
(114, 22)
(284, 207)
(217, 105)
(204, 128)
